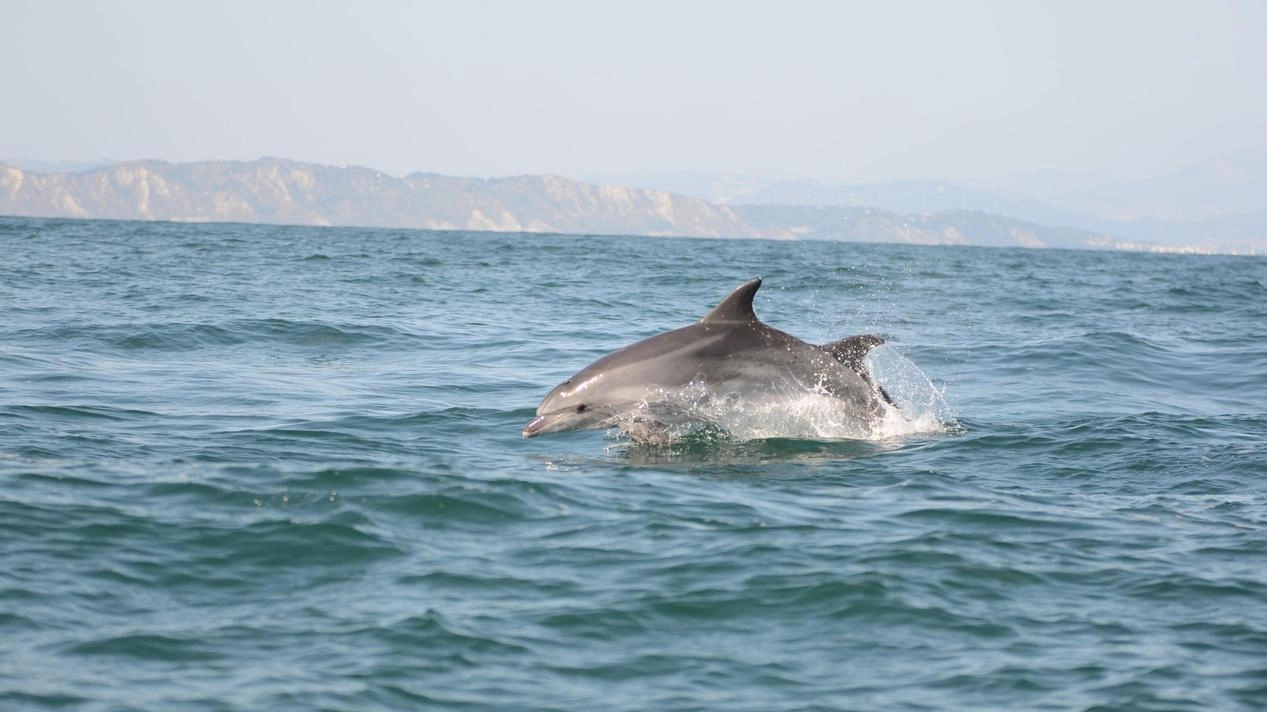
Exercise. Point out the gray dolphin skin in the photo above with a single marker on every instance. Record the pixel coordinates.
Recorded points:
(729, 355)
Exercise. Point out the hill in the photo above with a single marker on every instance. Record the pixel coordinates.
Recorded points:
(273, 190)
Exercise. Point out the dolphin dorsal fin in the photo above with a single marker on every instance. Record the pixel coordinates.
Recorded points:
(850, 351)
(738, 306)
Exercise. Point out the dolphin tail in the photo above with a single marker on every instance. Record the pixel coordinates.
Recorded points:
(852, 350)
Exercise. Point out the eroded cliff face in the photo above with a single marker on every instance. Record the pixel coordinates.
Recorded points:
(280, 191)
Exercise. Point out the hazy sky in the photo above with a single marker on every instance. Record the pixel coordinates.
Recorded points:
(825, 90)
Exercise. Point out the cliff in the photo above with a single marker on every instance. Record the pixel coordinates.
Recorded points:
(279, 191)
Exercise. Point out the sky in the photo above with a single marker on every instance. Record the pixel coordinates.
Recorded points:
(830, 91)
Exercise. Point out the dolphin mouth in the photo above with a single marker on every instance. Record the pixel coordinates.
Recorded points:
(558, 421)
(541, 424)
(534, 426)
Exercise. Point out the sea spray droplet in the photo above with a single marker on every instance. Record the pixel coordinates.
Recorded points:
(923, 406)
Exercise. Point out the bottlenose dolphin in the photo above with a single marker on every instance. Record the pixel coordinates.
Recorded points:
(728, 356)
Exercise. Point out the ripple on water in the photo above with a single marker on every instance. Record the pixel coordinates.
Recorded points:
(259, 467)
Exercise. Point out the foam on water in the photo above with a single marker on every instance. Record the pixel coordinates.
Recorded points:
(796, 412)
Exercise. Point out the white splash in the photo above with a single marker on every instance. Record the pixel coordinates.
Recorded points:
(924, 409)
(799, 413)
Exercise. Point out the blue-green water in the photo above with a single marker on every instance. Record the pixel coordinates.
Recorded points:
(275, 468)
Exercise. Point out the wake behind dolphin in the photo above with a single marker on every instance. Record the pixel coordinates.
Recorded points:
(727, 371)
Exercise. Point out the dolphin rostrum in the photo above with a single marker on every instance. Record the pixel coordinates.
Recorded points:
(729, 358)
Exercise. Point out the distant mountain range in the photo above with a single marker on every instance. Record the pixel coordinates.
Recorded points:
(944, 227)
(1215, 205)
(1218, 188)
(272, 190)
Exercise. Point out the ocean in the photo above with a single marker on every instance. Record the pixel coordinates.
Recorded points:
(280, 468)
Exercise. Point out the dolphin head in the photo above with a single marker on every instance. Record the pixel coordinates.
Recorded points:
(615, 389)
(625, 388)
(572, 406)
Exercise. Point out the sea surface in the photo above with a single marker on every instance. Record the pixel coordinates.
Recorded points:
(280, 468)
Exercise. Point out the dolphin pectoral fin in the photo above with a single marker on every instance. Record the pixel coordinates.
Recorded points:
(887, 398)
(850, 351)
(648, 432)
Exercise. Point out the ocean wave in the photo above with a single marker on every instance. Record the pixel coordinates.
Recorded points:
(187, 336)
(229, 480)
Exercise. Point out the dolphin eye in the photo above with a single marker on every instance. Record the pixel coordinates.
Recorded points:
(581, 408)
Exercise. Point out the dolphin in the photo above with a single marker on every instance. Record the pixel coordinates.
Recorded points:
(729, 356)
